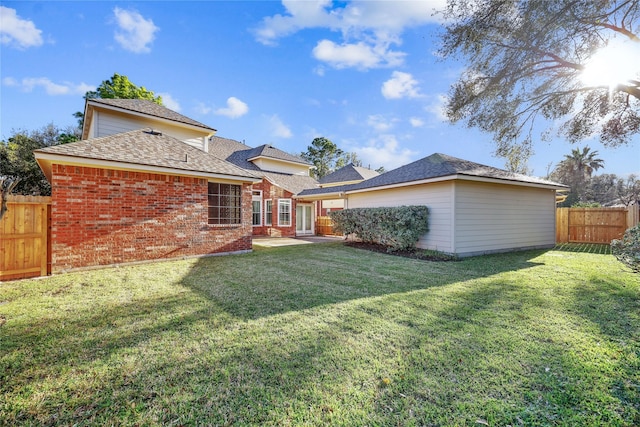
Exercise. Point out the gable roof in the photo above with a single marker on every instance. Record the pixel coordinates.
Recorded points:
(143, 107)
(293, 183)
(348, 173)
(271, 152)
(438, 166)
(151, 150)
(240, 155)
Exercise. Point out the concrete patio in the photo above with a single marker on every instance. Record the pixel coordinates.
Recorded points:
(271, 242)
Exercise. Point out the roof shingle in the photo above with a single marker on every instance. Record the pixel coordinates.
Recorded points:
(348, 173)
(435, 166)
(150, 108)
(141, 147)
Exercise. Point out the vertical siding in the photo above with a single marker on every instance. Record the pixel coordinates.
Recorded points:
(437, 197)
(109, 123)
(497, 217)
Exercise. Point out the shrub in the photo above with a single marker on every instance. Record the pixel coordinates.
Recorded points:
(627, 249)
(397, 228)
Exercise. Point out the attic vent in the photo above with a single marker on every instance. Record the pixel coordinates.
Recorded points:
(152, 132)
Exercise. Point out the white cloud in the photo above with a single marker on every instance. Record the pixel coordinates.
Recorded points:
(169, 101)
(357, 55)
(278, 128)
(134, 32)
(368, 28)
(235, 108)
(384, 151)
(416, 122)
(202, 108)
(28, 84)
(438, 107)
(400, 85)
(379, 123)
(18, 32)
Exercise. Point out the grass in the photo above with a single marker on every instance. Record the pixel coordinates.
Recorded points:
(326, 335)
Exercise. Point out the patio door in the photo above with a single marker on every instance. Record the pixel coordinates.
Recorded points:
(304, 219)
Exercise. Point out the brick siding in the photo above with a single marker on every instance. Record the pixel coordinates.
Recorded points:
(273, 193)
(103, 217)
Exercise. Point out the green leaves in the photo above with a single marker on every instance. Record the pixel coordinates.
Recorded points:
(627, 249)
(524, 62)
(398, 228)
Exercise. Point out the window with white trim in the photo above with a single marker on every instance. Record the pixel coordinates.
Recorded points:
(268, 212)
(225, 201)
(284, 212)
(256, 205)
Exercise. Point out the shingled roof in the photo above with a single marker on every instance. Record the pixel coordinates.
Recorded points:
(436, 166)
(348, 173)
(150, 108)
(147, 148)
(239, 154)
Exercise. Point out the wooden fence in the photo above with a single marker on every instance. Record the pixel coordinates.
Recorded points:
(593, 225)
(24, 238)
(324, 226)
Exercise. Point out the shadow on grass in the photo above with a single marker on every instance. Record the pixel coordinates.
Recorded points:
(278, 280)
(586, 248)
(324, 335)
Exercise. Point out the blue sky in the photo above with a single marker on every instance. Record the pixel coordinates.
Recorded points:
(363, 74)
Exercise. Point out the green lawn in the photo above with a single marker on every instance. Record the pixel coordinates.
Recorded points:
(326, 335)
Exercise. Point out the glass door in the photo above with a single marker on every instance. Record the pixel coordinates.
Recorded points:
(304, 219)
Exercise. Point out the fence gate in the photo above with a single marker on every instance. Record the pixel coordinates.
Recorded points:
(591, 225)
(24, 238)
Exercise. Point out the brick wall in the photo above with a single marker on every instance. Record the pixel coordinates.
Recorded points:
(273, 192)
(102, 217)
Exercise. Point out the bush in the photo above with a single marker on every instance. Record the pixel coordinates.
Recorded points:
(627, 250)
(397, 228)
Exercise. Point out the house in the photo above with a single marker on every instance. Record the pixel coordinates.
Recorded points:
(275, 210)
(142, 185)
(349, 174)
(148, 183)
(473, 209)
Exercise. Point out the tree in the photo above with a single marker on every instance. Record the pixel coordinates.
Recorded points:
(121, 87)
(7, 184)
(323, 154)
(118, 87)
(576, 170)
(517, 157)
(530, 63)
(17, 160)
(628, 190)
(602, 189)
(348, 158)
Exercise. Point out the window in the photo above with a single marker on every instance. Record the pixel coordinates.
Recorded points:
(256, 204)
(268, 212)
(284, 212)
(225, 201)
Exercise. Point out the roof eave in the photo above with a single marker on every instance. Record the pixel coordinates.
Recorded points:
(209, 130)
(45, 160)
(279, 160)
(463, 177)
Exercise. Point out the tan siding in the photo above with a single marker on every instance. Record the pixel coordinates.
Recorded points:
(283, 167)
(109, 123)
(494, 217)
(437, 197)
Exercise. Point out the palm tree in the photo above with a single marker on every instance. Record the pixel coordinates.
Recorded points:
(576, 170)
(584, 162)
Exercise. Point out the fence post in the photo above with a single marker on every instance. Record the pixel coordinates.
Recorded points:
(633, 215)
(562, 225)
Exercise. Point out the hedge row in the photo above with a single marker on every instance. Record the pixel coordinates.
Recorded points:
(398, 228)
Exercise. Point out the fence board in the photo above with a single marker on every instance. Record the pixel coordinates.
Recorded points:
(591, 225)
(324, 226)
(24, 238)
